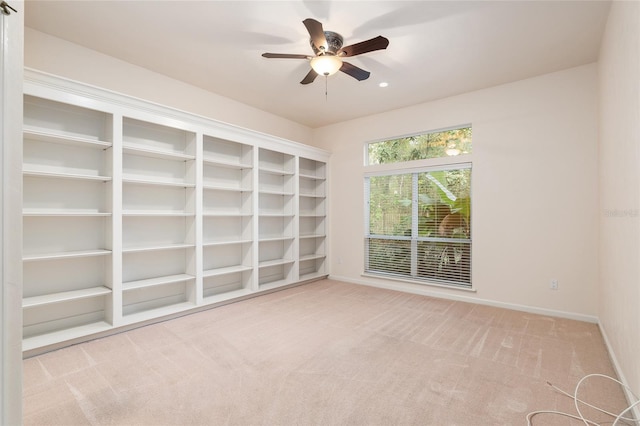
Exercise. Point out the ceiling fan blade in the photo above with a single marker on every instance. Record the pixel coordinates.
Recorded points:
(316, 32)
(285, 56)
(355, 72)
(309, 77)
(376, 43)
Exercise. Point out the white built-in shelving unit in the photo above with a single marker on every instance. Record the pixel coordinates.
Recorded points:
(134, 212)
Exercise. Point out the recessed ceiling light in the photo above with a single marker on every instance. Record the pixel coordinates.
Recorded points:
(383, 84)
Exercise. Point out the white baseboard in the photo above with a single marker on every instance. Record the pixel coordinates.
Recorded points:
(616, 366)
(428, 291)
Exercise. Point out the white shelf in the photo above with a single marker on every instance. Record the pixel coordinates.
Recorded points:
(312, 257)
(226, 270)
(225, 214)
(67, 334)
(312, 195)
(211, 187)
(152, 282)
(276, 215)
(65, 296)
(156, 213)
(313, 275)
(274, 262)
(227, 295)
(270, 285)
(58, 175)
(63, 213)
(151, 314)
(311, 169)
(275, 238)
(63, 139)
(156, 248)
(65, 255)
(274, 192)
(152, 137)
(224, 243)
(226, 164)
(312, 236)
(311, 177)
(157, 182)
(129, 148)
(275, 171)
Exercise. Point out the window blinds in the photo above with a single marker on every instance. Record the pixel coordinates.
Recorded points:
(418, 225)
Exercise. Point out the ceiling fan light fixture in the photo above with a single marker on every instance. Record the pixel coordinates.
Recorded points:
(326, 64)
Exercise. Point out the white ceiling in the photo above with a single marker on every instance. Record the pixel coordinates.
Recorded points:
(437, 48)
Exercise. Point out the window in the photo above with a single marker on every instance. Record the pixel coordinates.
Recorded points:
(418, 222)
(440, 144)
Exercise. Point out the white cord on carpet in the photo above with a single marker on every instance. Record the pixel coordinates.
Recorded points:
(578, 401)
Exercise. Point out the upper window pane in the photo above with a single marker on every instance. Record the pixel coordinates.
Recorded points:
(429, 145)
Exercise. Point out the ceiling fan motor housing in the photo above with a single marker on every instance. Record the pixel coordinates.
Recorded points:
(328, 53)
(334, 44)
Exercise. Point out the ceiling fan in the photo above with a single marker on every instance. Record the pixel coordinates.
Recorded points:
(328, 53)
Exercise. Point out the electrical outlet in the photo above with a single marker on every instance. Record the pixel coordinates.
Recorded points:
(553, 285)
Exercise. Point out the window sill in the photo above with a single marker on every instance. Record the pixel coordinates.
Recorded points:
(419, 282)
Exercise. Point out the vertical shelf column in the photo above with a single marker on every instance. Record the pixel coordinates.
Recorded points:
(276, 214)
(159, 220)
(228, 201)
(67, 176)
(116, 221)
(312, 218)
(198, 219)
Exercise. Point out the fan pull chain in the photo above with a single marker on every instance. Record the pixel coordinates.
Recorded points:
(326, 90)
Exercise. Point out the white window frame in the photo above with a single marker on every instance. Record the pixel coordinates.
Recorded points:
(463, 161)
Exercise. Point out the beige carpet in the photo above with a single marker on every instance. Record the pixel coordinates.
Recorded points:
(325, 353)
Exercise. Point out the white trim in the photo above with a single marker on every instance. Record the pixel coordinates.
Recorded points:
(461, 161)
(408, 280)
(11, 63)
(424, 291)
(64, 90)
(415, 167)
(619, 371)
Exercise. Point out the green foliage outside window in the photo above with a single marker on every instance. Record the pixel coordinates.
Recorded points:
(420, 147)
(440, 194)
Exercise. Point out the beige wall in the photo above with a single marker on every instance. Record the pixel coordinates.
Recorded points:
(535, 180)
(56, 56)
(619, 295)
